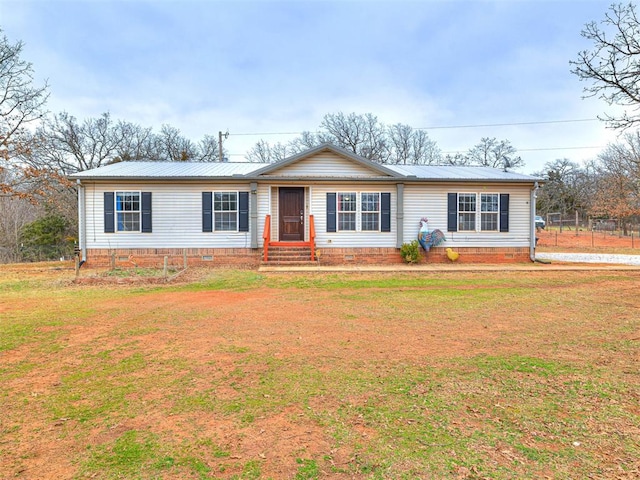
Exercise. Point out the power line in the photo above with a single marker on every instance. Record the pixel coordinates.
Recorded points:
(440, 127)
(542, 149)
(546, 149)
(511, 124)
(555, 148)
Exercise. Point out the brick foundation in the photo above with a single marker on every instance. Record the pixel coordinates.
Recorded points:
(389, 256)
(251, 258)
(154, 257)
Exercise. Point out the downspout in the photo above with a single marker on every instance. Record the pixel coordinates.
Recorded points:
(82, 234)
(400, 215)
(253, 214)
(532, 223)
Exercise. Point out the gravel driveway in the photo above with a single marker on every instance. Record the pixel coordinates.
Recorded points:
(590, 258)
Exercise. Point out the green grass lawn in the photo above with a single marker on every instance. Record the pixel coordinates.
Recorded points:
(236, 374)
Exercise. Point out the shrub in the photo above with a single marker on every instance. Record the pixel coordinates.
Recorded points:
(410, 252)
(44, 239)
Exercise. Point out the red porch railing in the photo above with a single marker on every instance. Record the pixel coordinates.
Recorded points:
(312, 237)
(266, 236)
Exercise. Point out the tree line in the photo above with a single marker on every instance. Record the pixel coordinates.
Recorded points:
(607, 187)
(398, 144)
(38, 150)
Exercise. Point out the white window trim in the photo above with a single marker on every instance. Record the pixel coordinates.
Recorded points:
(214, 211)
(116, 211)
(379, 211)
(478, 212)
(475, 212)
(496, 213)
(358, 211)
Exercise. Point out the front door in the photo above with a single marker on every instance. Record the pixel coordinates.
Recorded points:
(291, 202)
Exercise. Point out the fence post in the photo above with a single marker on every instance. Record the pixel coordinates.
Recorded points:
(556, 238)
(591, 238)
(166, 265)
(184, 258)
(113, 260)
(77, 266)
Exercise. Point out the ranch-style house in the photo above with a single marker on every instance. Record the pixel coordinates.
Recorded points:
(324, 205)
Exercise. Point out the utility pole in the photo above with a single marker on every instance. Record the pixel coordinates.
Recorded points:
(220, 135)
(220, 159)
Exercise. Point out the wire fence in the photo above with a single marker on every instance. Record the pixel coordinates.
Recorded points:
(39, 253)
(577, 223)
(603, 238)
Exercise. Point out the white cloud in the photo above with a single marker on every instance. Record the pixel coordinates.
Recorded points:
(278, 66)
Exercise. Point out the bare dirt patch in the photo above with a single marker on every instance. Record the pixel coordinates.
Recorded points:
(205, 349)
(588, 241)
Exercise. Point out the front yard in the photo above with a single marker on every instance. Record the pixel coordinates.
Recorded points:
(236, 374)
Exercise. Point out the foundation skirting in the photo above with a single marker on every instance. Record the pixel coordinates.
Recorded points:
(251, 258)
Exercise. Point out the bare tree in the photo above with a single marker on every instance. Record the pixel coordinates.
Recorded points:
(413, 147)
(67, 146)
(136, 142)
(495, 154)
(21, 104)
(171, 146)
(567, 188)
(456, 159)
(618, 187)
(612, 67)
(306, 141)
(208, 150)
(364, 135)
(264, 152)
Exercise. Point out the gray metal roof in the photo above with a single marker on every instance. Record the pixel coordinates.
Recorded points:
(453, 172)
(203, 171)
(162, 170)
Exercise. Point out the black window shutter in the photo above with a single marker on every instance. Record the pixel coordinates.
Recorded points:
(452, 212)
(146, 212)
(504, 212)
(385, 212)
(331, 212)
(109, 216)
(207, 212)
(243, 211)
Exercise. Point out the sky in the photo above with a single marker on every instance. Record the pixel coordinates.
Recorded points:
(461, 69)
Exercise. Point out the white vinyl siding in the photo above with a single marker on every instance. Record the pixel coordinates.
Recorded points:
(177, 217)
(352, 239)
(325, 164)
(430, 200)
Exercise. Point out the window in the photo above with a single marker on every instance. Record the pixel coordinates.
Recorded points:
(128, 211)
(477, 212)
(489, 211)
(225, 209)
(466, 211)
(370, 214)
(363, 211)
(347, 208)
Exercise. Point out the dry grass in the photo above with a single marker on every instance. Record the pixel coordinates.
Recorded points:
(235, 374)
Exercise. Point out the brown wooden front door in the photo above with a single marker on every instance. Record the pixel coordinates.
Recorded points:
(291, 202)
